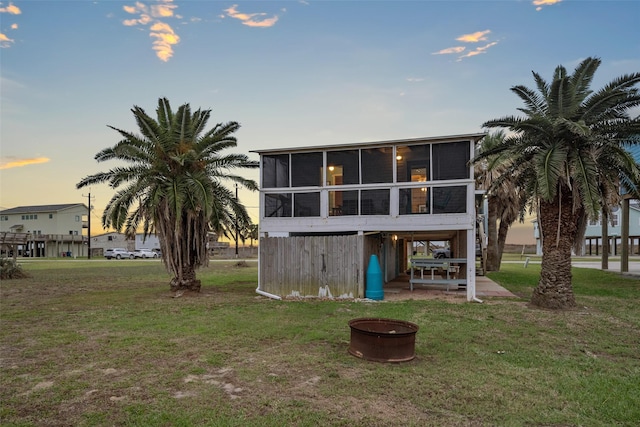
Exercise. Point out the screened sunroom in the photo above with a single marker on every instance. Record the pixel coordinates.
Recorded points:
(381, 195)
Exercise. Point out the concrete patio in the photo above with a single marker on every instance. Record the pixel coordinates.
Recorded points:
(398, 289)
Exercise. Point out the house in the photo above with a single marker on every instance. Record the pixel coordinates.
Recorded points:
(53, 230)
(593, 235)
(110, 240)
(324, 211)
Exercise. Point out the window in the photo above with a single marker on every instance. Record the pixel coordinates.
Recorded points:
(109, 238)
(413, 163)
(343, 203)
(450, 199)
(413, 201)
(374, 202)
(343, 167)
(306, 204)
(306, 170)
(450, 161)
(50, 216)
(277, 205)
(77, 218)
(275, 171)
(377, 165)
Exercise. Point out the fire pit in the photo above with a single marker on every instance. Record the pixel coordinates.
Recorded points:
(383, 340)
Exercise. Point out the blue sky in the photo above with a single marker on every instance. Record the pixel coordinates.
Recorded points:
(292, 73)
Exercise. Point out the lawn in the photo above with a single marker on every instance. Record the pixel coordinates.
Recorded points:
(104, 343)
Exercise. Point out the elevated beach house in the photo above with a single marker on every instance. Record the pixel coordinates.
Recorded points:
(325, 210)
(44, 230)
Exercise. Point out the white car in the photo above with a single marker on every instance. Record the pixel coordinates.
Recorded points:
(118, 253)
(144, 253)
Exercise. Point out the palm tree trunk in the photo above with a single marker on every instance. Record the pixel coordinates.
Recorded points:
(502, 239)
(187, 281)
(605, 239)
(493, 260)
(558, 227)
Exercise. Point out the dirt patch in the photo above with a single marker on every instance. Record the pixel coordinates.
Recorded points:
(426, 294)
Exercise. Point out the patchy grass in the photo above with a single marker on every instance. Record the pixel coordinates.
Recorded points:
(102, 343)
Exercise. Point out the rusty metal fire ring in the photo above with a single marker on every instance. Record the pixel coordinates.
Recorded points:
(383, 340)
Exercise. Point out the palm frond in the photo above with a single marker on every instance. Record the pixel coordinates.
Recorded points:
(584, 173)
(550, 165)
(582, 77)
(535, 103)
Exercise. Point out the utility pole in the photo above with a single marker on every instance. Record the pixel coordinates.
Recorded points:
(89, 226)
(236, 222)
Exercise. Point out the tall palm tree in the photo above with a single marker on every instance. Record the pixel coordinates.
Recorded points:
(173, 185)
(505, 201)
(568, 156)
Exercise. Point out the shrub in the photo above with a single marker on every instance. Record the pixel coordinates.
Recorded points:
(11, 270)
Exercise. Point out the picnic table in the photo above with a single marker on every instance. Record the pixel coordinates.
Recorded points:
(448, 268)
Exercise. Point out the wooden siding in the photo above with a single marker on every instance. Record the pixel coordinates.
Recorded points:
(312, 266)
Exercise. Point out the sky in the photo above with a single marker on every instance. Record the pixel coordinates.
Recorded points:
(292, 73)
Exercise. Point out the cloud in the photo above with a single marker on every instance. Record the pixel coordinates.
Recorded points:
(251, 19)
(155, 16)
(165, 39)
(476, 37)
(17, 163)
(163, 10)
(5, 40)
(477, 51)
(11, 9)
(540, 3)
(450, 50)
(414, 79)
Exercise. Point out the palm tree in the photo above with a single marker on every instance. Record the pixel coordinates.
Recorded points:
(505, 201)
(251, 233)
(568, 156)
(173, 185)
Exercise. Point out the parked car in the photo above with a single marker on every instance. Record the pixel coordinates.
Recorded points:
(446, 252)
(442, 253)
(118, 253)
(144, 253)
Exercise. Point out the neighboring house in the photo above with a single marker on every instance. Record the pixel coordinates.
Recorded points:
(111, 240)
(593, 235)
(147, 242)
(53, 230)
(325, 210)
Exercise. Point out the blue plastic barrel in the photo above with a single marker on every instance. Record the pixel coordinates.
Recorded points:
(374, 279)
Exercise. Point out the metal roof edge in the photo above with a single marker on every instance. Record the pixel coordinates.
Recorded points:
(475, 137)
(41, 208)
